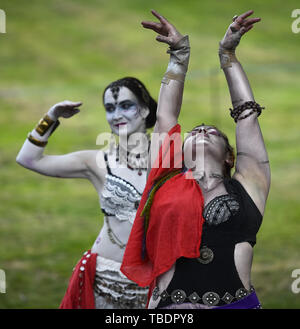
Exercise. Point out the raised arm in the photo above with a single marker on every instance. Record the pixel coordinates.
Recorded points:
(252, 165)
(171, 90)
(73, 165)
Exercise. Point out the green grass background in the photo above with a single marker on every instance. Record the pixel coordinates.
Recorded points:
(71, 49)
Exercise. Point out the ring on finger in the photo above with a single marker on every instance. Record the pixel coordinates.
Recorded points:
(234, 17)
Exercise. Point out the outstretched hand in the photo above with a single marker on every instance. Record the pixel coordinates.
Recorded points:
(65, 109)
(239, 27)
(167, 32)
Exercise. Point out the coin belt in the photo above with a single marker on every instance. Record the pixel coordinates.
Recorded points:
(210, 298)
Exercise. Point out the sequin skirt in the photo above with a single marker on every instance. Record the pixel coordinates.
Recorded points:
(113, 290)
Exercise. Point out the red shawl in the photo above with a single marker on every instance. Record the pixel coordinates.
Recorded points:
(175, 224)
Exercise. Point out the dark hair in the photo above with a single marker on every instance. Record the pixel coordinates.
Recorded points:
(141, 92)
(229, 149)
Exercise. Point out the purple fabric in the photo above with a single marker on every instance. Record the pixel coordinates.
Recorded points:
(249, 302)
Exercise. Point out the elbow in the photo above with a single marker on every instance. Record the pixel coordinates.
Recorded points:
(26, 163)
(19, 160)
(165, 123)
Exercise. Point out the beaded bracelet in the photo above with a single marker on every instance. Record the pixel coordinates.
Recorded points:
(235, 113)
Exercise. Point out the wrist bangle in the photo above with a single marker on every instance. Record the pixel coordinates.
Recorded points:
(227, 57)
(35, 141)
(44, 125)
(236, 112)
(179, 59)
(57, 123)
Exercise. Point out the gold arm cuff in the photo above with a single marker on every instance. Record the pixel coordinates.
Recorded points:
(173, 76)
(44, 125)
(36, 141)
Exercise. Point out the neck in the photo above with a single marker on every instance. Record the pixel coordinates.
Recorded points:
(137, 143)
(208, 174)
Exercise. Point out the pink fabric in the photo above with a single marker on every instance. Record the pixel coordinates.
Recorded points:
(80, 292)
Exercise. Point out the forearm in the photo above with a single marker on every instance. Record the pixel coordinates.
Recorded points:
(169, 103)
(33, 147)
(171, 91)
(239, 87)
(251, 152)
(238, 83)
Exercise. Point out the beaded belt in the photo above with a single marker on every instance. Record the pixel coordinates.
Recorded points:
(210, 298)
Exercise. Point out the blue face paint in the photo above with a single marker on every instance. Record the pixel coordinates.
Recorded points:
(123, 111)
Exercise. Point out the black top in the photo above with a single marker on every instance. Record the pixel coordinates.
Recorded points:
(229, 220)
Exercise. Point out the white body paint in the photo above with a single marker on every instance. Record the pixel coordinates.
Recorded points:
(90, 164)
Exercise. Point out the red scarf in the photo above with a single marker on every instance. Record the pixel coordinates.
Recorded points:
(176, 220)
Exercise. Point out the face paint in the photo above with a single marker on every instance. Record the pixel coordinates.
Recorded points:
(123, 111)
(204, 140)
(115, 92)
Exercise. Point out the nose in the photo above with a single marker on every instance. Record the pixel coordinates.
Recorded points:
(200, 130)
(117, 114)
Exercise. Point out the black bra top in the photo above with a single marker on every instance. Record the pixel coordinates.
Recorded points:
(220, 209)
(233, 217)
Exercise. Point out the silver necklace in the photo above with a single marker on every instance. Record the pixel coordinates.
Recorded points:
(112, 236)
(134, 161)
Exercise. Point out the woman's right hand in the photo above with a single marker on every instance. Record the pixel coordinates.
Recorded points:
(241, 25)
(167, 32)
(65, 109)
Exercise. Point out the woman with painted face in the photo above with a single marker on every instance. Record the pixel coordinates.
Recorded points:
(119, 177)
(193, 236)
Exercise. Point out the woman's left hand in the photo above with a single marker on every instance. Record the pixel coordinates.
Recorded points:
(167, 32)
(240, 26)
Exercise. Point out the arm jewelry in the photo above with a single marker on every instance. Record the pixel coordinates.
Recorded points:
(171, 91)
(239, 87)
(45, 127)
(179, 59)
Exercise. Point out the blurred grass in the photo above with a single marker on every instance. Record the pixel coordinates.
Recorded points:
(56, 50)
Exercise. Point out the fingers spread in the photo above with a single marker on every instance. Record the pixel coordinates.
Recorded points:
(160, 17)
(251, 21)
(246, 14)
(152, 25)
(242, 25)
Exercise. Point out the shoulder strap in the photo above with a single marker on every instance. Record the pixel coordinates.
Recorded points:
(106, 162)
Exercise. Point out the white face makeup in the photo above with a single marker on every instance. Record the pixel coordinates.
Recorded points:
(123, 111)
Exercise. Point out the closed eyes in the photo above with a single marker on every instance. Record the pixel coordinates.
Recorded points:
(211, 131)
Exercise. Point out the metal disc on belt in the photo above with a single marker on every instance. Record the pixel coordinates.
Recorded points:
(206, 255)
(178, 296)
